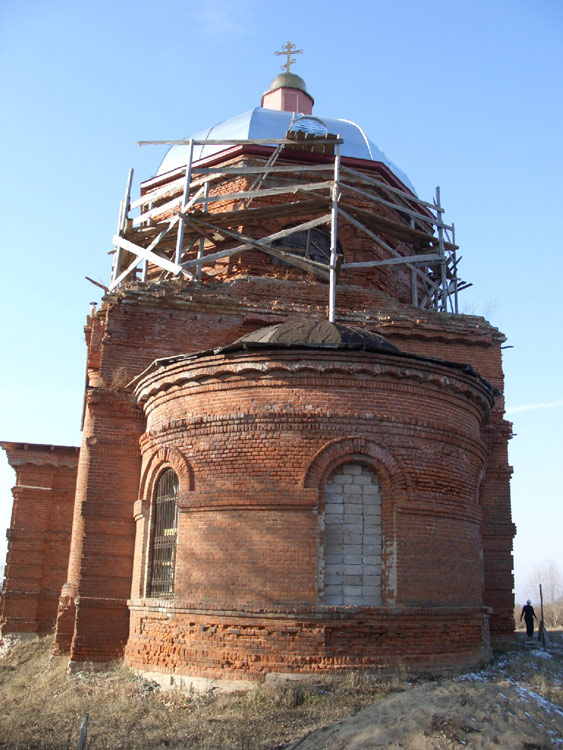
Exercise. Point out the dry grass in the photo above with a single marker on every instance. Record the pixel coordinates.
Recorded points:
(42, 707)
(553, 614)
(534, 668)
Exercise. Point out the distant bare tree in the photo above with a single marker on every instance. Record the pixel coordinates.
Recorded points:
(549, 575)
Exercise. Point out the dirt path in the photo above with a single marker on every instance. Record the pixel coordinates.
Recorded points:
(447, 714)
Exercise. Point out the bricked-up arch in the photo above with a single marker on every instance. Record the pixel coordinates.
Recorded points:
(352, 537)
(393, 479)
(395, 486)
(164, 535)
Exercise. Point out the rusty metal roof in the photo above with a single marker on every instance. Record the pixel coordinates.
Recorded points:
(312, 334)
(316, 334)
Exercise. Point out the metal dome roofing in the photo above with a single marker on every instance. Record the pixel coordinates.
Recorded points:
(271, 123)
(290, 80)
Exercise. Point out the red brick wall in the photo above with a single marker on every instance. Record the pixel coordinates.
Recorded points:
(394, 281)
(140, 324)
(253, 436)
(101, 557)
(39, 535)
(239, 646)
(145, 322)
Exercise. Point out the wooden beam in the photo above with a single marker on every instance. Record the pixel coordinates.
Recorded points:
(259, 169)
(234, 142)
(142, 252)
(300, 262)
(379, 183)
(261, 177)
(298, 208)
(116, 282)
(172, 223)
(97, 283)
(403, 209)
(268, 191)
(162, 209)
(384, 245)
(396, 261)
(401, 231)
(441, 241)
(334, 198)
(185, 202)
(126, 201)
(193, 200)
(170, 187)
(241, 248)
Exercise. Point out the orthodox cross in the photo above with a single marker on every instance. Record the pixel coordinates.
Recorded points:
(288, 50)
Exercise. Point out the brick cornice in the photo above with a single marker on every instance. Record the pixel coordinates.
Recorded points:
(263, 299)
(246, 366)
(37, 454)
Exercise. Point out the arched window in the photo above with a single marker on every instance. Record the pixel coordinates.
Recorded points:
(313, 244)
(165, 525)
(352, 551)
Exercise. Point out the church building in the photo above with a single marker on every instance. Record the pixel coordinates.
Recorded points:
(294, 454)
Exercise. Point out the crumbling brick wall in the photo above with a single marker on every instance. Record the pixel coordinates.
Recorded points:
(158, 319)
(146, 322)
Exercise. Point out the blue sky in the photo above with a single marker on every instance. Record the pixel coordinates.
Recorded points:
(462, 95)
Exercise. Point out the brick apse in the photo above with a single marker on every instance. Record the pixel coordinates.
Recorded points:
(261, 490)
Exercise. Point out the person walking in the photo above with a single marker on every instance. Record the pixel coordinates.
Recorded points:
(529, 616)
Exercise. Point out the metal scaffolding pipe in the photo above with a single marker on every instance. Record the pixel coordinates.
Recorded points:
(334, 236)
(185, 197)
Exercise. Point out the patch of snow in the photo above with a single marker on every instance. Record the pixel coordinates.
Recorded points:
(541, 654)
(472, 677)
(7, 643)
(530, 695)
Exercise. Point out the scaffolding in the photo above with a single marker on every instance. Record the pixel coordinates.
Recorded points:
(192, 217)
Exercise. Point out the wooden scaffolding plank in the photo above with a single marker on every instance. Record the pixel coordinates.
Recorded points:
(241, 248)
(395, 207)
(300, 262)
(231, 142)
(142, 252)
(256, 194)
(393, 228)
(250, 215)
(385, 246)
(260, 169)
(408, 196)
(423, 259)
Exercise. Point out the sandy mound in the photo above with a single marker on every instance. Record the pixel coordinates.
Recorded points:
(447, 714)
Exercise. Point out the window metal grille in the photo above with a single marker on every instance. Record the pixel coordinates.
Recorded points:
(165, 525)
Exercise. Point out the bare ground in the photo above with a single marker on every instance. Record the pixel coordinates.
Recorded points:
(517, 702)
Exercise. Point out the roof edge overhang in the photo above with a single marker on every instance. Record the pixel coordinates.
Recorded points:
(236, 349)
(231, 152)
(45, 447)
